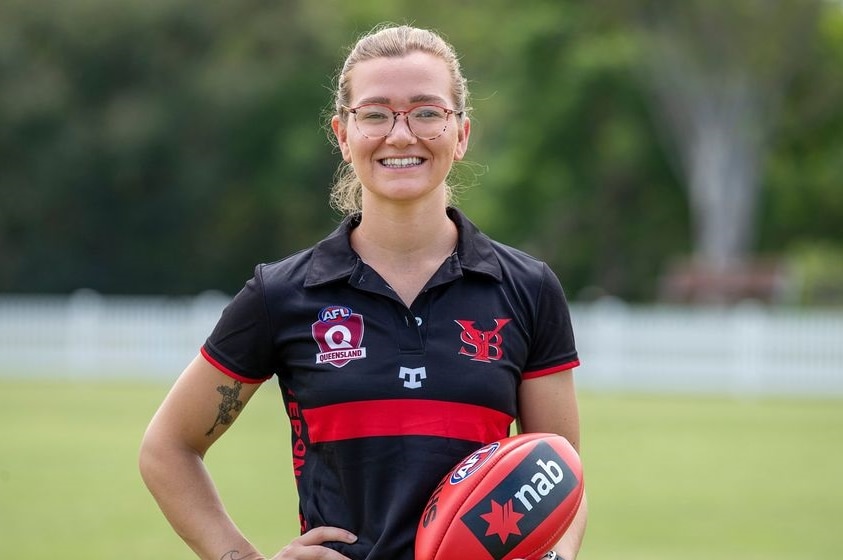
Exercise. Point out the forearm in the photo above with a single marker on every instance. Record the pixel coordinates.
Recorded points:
(188, 498)
(569, 545)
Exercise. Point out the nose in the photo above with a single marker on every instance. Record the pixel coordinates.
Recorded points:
(401, 133)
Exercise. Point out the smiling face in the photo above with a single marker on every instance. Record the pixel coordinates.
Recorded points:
(400, 167)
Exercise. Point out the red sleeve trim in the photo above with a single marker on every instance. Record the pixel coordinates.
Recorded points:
(550, 370)
(214, 362)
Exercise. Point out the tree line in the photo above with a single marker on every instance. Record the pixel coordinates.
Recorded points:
(167, 147)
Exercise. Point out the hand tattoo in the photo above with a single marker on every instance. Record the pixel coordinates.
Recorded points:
(230, 403)
(235, 555)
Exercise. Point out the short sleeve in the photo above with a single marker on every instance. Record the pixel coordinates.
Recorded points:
(553, 348)
(241, 343)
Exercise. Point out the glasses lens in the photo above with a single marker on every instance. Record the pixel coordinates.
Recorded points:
(374, 120)
(428, 121)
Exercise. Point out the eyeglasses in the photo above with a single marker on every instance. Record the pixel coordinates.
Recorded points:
(426, 122)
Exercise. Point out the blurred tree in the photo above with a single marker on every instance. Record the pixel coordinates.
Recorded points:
(803, 212)
(572, 175)
(167, 146)
(717, 71)
(158, 147)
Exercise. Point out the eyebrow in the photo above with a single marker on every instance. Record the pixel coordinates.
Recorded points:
(420, 98)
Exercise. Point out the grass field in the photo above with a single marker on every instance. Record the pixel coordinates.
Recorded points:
(668, 478)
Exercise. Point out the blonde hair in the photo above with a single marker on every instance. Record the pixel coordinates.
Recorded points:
(388, 42)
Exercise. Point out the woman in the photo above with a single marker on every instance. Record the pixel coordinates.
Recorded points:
(402, 342)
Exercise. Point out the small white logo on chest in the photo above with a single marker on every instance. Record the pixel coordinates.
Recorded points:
(412, 377)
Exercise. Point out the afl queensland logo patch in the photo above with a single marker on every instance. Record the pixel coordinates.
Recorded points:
(339, 334)
(473, 463)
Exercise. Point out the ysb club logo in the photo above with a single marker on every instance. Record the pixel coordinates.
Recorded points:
(339, 334)
(482, 346)
(522, 500)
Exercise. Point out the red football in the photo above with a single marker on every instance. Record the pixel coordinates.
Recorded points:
(513, 498)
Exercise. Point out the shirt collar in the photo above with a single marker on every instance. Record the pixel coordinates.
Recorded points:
(334, 259)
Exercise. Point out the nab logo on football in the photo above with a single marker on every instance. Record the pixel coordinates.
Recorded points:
(339, 335)
(473, 463)
(519, 504)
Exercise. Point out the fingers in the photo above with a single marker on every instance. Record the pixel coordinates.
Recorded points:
(319, 535)
(309, 546)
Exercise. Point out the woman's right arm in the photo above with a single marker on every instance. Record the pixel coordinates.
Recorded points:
(200, 407)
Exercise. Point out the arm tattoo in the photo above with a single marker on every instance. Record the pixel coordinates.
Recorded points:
(230, 403)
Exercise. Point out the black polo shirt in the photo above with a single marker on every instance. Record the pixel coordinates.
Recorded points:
(384, 400)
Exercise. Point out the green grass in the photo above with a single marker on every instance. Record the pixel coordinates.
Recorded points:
(684, 478)
(667, 477)
(69, 483)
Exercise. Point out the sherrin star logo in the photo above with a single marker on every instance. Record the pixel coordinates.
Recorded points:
(503, 520)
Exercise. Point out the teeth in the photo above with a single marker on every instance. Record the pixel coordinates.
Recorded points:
(401, 162)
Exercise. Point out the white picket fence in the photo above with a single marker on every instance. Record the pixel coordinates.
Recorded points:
(87, 334)
(742, 350)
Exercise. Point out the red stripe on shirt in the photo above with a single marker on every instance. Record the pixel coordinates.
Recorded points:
(550, 370)
(406, 417)
(214, 362)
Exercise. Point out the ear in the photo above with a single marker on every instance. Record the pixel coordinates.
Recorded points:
(341, 134)
(463, 133)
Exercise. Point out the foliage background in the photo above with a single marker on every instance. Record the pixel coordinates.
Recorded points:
(168, 146)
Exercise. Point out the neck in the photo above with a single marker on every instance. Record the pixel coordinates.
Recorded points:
(401, 235)
(406, 249)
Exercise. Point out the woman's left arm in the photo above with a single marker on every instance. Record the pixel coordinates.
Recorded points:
(549, 404)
